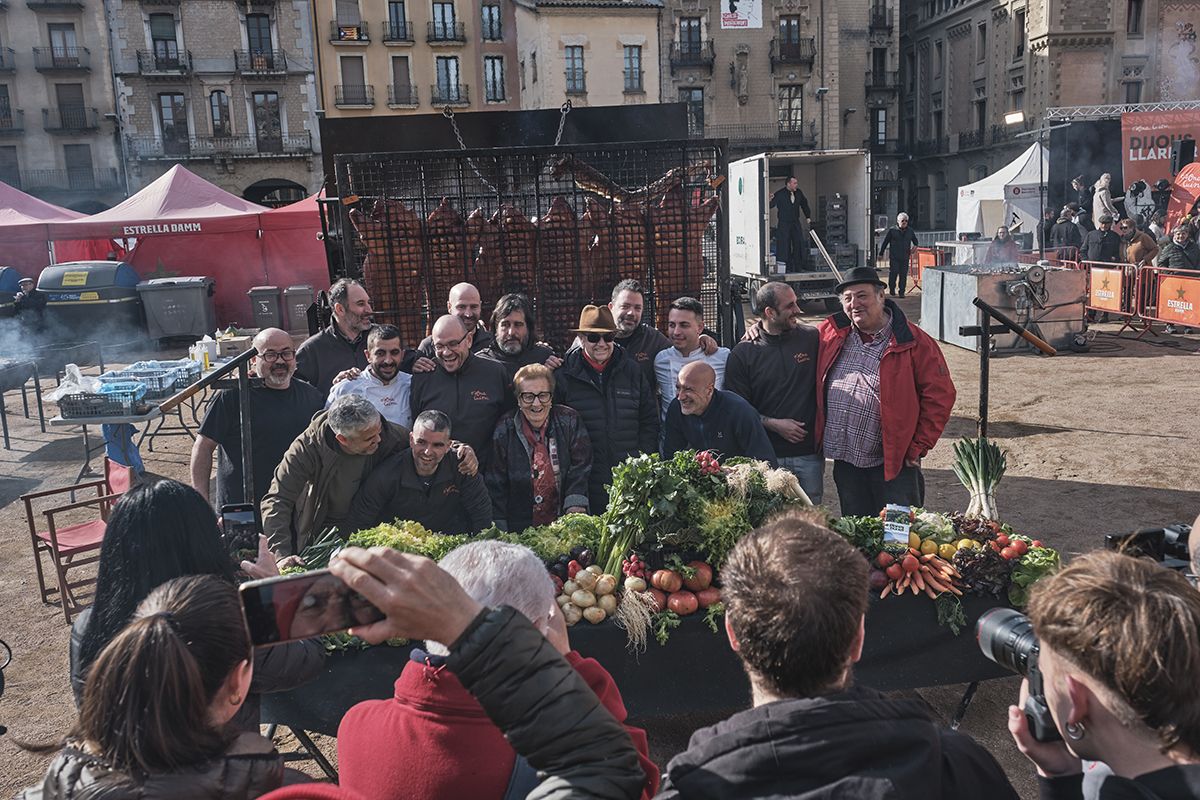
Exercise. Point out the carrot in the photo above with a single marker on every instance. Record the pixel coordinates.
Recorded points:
(935, 583)
(954, 590)
(932, 594)
(918, 581)
(914, 552)
(913, 586)
(928, 557)
(903, 584)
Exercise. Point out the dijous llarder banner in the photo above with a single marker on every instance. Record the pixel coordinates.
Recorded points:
(1146, 138)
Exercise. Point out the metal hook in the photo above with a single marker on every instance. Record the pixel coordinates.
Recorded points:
(448, 112)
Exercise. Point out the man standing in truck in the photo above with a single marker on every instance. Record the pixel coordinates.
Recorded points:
(790, 237)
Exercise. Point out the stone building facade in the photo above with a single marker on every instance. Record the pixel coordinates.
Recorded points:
(395, 57)
(224, 87)
(976, 74)
(591, 52)
(789, 75)
(58, 139)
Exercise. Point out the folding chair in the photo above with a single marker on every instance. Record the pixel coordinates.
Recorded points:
(73, 545)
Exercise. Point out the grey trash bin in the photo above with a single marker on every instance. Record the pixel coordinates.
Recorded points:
(264, 306)
(179, 307)
(297, 299)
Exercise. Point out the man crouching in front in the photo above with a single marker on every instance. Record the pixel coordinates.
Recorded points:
(796, 601)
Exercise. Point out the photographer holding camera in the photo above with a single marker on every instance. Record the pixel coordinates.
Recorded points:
(1112, 671)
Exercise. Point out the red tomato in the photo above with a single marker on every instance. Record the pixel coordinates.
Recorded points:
(1010, 552)
(683, 603)
(702, 579)
(1021, 545)
(1038, 543)
(1003, 540)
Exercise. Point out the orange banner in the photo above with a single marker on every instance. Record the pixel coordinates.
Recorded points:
(1179, 299)
(1104, 288)
(1146, 138)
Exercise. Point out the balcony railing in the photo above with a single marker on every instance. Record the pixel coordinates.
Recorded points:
(801, 51)
(65, 59)
(971, 139)
(354, 96)
(691, 54)
(576, 81)
(886, 79)
(402, 94)
(70, 179)
(260, 62)
(70, 118)
(398, 31)
(884, 147)
(8, 60)
(448, 94)
(54, 5)
(446, 32)
(928, 147)
(151, 148)
(881, 18)
(753, 134)
(164, 64)
(12, 121)
(1002, 133)
(634, 83)
(348, 33)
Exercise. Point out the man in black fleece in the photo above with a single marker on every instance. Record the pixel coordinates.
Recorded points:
(811, 733)
(776, 373)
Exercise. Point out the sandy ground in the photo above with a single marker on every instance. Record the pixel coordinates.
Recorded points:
(1097, 443)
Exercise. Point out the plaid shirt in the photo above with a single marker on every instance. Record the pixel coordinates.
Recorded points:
(853, 431)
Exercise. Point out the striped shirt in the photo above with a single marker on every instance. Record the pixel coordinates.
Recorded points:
(853, 427)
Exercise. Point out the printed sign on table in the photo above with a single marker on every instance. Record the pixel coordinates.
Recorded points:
(1105, 287)
(1179, 299)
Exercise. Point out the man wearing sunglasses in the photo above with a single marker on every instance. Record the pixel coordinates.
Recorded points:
(472, 391)
(613, 396)
(280, 410)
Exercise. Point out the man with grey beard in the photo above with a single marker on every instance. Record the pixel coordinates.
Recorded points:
(514, 343)
(280, 410)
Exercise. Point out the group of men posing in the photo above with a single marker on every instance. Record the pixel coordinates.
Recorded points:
(353, 429)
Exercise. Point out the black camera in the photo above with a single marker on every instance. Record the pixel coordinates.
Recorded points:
(1006, 637)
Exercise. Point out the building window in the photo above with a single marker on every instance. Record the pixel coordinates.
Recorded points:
(491, 24)
(493, 78)
(1016, 100)
(980, 114)
(1133, 92)
(690, 42)
(348, 13)
(981, 42)
(172, 117)
(533, 66)
(397, 22)
(162, 35)
(77, 158)
(355, 91)
(444, 22)
(576, 83)
(1019, 35)
(448, 88)
(258, 34)
(789, 30)
(218, 108)
(268, 122)
(791, 109)
(936, 124)
(64, 49)
(694, 100)
(10, 168)
(633, 69)
(879, 126)
(910, 67)
(1133, 18)
(402, 88)
(938, 59)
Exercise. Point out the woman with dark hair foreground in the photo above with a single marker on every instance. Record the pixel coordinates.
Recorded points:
(158, 531)
(1120, 656)
(154, 721)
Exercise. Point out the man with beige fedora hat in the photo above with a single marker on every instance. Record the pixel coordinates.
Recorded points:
(612, 395)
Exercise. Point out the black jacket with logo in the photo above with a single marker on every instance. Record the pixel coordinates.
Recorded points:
(323, 355)
(778, 376)
(642, 346)
(533, 354)
(856, 743)
(618, 408)
(473, 397)
(452, 502)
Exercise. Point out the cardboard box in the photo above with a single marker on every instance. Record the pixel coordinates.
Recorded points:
(233, 346)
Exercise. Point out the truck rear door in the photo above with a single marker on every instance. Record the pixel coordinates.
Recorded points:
(748, 216)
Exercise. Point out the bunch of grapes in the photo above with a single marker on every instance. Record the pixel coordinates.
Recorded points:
(633, 567)
(708, 463)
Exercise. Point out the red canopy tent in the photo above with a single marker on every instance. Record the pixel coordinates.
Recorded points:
(291, 251)
(169, 220)
(24, 237)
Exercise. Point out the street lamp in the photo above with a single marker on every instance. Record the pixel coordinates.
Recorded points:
(1014, 118)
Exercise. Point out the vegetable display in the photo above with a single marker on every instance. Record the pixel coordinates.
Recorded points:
(979, 465)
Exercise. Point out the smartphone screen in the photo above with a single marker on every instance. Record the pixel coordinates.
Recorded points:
(301, 606)
(239, 531)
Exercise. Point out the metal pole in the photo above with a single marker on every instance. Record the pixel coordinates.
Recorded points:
(985, 357)
(247, 435)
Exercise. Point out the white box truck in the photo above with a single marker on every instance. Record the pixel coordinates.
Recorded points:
(821, 174)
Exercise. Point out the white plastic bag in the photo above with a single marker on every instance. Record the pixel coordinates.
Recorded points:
(74, 382)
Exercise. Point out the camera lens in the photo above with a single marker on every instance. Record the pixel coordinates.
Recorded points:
(1006, 637)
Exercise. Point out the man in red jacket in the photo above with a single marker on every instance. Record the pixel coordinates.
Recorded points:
(433, 739)
(884, 395)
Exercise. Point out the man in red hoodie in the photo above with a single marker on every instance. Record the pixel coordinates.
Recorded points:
(884, 394)
(433, 739)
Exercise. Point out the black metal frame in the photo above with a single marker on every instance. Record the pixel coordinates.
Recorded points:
(488, 179)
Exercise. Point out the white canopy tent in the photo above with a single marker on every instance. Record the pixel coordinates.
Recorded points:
(1006, 196)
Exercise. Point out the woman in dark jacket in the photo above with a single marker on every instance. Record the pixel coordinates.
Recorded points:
(612, 396)
(541, 457)
(164, 530)
(155, 721)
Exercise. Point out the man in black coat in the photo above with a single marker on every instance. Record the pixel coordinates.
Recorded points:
(811, 732)
(790, 237)
(899, 242)
(1102, 244)
(612, 395)
(1066, 237)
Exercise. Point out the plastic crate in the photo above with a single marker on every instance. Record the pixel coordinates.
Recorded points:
(111, 404)
(159, 383)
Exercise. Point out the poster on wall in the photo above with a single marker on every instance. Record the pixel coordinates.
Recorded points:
(1146, 138)
(741, 14)
(1179, 56)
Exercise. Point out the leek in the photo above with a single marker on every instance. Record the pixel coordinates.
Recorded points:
(979, 465)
